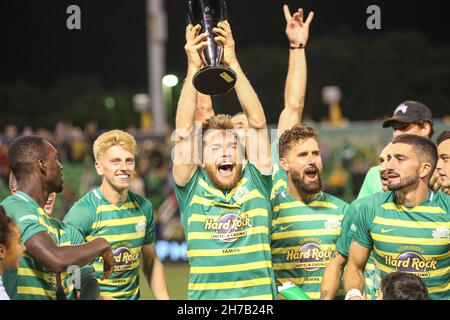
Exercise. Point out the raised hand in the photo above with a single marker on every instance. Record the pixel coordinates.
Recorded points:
(297, 31)
(194, 46)
(225, 38)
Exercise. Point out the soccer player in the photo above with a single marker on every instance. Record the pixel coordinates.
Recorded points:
(224, 205)
(443, 165)
(11, 249)
(407, 227)
(123, 218)
(410, 117)
(333, 272)
(306, 221)
(34, 162)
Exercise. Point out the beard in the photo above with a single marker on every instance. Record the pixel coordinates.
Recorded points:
(213, 175)
(301, 185)
(404, 182)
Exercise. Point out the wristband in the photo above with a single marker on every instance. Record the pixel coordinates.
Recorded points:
(301, 46)
(353, 293)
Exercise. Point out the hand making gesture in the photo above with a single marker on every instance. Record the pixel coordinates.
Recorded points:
(297, 31)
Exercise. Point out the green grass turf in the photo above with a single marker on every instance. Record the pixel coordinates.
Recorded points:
(177, 280)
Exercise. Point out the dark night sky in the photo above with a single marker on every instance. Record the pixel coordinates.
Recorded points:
(36, 46)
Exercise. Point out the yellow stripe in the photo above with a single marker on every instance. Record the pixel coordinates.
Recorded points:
(50, 228)
(112, 207)
(34, 273)
(251, 214)
(418, 209)
(427, 257)
(410, 224)
(119, 294)
(117, 282)
(211, 190)
(233, 267)
(36, 291)
(260, 297)
(119, 237)
(406, 240)
(305, 233)
(433, 273)
(309, 217)
(279, 184)
(301, 204)
(299, 280)
(251, 195)
(220, 252)
(441, 288)
(230, 285)
(118, 222)
(286, 249)
(211, 203)
(208, 235)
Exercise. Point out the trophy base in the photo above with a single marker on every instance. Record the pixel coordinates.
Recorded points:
(214, 80)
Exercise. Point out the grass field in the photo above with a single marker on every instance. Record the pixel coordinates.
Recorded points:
(177, 280)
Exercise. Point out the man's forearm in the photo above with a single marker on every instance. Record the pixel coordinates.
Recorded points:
(248, 99)
(295, 87)
(158, 283)
(187, 103)
(353, 279)
(331, 278)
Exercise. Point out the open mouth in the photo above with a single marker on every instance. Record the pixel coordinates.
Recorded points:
(226, 168)
(311, 173)
(123, 177)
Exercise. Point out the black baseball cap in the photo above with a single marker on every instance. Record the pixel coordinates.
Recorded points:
(409, 112)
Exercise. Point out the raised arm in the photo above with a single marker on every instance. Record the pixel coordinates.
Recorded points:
(204, 107)
(297, 33)
(184, 161)
(249, 102)
(58, 258)
(354, 272)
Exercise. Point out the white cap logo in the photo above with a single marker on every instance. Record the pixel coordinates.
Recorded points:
(403, 108)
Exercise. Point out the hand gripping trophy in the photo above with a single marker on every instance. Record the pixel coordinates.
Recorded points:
(214, 78)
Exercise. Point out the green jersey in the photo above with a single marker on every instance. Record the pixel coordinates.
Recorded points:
(127, 227)
(304, 236)
(409, 239)
(371, 184)
(228, 237)
(279, 178)
(371, 272)
(32, 280)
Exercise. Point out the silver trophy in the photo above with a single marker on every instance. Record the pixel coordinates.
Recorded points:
(214, 78)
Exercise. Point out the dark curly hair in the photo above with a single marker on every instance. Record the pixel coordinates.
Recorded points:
(293, 135)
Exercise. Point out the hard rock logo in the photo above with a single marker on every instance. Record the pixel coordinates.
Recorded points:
(229, 227)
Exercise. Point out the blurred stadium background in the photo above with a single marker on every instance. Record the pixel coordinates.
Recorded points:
(69, 86)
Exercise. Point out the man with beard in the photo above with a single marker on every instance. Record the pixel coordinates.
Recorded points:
(443, 165)
(306, 221)
(406, 227)
(224, 206)
(333, 273)
(35, 164)
(123, 218)
(410, 117)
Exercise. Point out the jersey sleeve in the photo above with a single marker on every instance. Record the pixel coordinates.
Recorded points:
(371, 184)
(80, 216)
(26, 218)
(74, 235)
(360, 226)
(150, 227)
(185, 193)
(343, 242)
(262, 182)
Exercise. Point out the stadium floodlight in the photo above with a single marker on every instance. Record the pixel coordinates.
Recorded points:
(170, 80)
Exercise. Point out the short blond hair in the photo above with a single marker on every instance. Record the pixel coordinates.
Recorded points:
(114, 138)
(219, 122)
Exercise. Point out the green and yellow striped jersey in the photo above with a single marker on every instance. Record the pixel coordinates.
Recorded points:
(32, 280)
(371, 272)
(228, 237)
(409, 239)
(127, 227)
(304, 239)
(279, 178)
